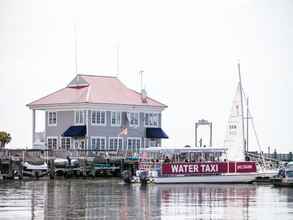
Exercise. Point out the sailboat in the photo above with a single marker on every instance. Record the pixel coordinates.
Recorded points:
(237, 134)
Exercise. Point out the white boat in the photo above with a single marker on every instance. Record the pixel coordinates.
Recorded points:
(34, 170)
(66, 163)
(66, 166)
(193, 165)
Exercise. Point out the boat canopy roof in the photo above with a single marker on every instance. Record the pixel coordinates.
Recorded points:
(186, 150)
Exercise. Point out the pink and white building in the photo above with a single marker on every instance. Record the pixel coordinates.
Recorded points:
(99, 113)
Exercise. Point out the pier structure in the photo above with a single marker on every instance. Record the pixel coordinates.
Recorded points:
(85, 163)
(206, 123)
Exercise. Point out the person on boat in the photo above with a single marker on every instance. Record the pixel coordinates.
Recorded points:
(167, 160)
(281, 172)
(69, 160)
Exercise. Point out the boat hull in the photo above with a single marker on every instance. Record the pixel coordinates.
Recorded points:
(283, 182)
(224, 178)
(30, 170)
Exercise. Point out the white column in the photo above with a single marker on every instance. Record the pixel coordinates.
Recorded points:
(34, 125)
(87, 129)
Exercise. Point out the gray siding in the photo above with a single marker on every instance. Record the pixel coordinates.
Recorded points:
(109, 131)
(65, 119)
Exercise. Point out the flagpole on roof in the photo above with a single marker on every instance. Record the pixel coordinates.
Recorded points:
(117, 60)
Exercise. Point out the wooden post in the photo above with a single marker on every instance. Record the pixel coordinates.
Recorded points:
(52, 168)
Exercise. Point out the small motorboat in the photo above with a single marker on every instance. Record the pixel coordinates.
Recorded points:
(34, 169)
(284, 177)
(66, 163)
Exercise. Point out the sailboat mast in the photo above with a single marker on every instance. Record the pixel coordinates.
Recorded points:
(247, 124)
(242, 111)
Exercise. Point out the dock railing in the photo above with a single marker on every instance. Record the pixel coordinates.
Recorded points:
(45, 155)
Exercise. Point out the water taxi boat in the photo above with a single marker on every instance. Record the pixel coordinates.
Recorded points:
(193, 165)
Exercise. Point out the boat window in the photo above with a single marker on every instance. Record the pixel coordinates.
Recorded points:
(289, 173)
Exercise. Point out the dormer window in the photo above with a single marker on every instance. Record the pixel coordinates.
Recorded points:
(78, 82)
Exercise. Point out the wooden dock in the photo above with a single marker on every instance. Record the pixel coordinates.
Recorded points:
(89, 163)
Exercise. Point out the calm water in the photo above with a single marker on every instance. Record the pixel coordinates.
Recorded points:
(111, 199)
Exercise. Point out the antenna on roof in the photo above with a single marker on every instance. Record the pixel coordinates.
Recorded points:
(142, 90)
(117, 60)
(141, 79)
(75, 48)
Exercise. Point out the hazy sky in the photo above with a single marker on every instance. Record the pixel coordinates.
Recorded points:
(188, 50)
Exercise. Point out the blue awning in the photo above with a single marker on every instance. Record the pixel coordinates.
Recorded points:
(155, 133)
(75, 131)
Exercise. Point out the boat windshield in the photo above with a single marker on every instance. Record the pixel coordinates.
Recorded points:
(289, 173)
(290, 166)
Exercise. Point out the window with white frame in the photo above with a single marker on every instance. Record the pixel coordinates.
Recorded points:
(151, 142)
(65, 143)
(151, 119)
(52, 143)
(79, 117)
(133, 118)
(52, 118)
(98, 118)
(133, 144)
(116, 118)
(98, 143)
(115, 143)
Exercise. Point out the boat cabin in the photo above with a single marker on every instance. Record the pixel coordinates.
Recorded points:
(183, 154)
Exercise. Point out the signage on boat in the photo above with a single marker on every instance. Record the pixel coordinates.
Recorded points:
(207, 168)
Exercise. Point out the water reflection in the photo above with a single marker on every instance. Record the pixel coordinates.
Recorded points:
(111, 199)
(103, 199)
(206, 201)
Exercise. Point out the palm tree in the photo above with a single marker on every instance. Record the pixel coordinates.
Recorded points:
(5, 138)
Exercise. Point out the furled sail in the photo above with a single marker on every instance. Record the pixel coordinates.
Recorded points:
(234, 136)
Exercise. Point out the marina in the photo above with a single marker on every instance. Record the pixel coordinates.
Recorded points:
(146, 110)
(70, 146)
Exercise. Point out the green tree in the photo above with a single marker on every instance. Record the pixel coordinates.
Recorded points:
(5, 138)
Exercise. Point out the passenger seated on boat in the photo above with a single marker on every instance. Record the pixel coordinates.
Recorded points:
(281, 172)
(167, 160)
